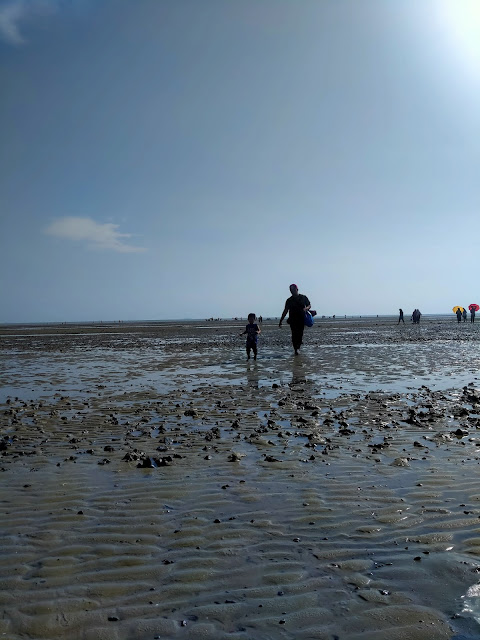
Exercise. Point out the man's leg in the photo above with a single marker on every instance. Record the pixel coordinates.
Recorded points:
(297, 335)
(294, 336)
(301, 329)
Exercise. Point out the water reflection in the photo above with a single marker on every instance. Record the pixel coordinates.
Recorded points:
(301, 365)
(253, 374)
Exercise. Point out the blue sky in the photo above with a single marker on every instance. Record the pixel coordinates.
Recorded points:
(192, 158)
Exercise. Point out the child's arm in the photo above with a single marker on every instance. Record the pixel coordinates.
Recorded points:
(258, 329)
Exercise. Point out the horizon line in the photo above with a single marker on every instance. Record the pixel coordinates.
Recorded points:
(203, 319)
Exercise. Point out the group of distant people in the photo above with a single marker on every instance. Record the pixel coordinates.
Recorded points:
(416, 315)
(463, 314)
(460, 312)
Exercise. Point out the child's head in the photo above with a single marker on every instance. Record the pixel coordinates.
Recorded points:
(251, 318)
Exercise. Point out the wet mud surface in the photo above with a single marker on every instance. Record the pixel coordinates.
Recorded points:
(155, 484)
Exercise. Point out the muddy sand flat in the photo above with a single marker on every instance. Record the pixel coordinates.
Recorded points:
(155, 484)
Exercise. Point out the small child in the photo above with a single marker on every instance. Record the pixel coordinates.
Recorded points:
(252, 330)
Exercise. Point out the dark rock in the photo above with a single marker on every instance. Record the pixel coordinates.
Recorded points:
(133, 456)
(149, 462)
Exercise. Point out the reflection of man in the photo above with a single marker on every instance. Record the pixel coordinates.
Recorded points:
(296, 306)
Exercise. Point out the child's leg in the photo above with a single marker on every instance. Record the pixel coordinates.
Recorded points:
(254, 348)
(248, 352)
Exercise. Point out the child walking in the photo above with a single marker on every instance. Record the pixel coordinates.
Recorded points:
(252, 330)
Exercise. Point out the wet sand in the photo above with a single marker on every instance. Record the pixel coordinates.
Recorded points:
(157, 485)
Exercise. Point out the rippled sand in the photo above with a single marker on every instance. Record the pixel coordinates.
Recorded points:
(156, 485)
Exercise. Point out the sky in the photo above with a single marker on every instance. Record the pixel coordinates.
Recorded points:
(165, 159)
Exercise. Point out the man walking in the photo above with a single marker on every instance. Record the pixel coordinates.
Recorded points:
(296, 306)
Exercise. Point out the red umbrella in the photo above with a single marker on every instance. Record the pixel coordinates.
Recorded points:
(473, 307)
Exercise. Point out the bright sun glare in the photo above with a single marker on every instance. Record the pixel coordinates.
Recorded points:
(462, 21)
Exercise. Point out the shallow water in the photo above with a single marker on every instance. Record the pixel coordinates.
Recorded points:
(347, 367)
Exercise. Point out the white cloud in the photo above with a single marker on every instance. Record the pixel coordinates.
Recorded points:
(95, 235)
(10, 15)
(16, 11)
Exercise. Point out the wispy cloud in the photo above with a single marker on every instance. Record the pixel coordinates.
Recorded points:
(14, 12)
(95, 235)
(10, 16)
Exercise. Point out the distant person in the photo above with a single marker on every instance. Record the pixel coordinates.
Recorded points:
(472, 314)
(459, 314)
(252, 330)
(400, 317)
(416, 316)
(296, 306)
(464, 314)
(260, 319)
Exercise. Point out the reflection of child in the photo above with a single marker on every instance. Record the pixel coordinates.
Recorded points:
(252, 330)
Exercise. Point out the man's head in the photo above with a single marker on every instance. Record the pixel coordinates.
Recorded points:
(251, 318)
(293, 289)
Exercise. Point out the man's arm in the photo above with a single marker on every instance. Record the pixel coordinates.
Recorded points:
(307, 304)
(285, 311)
